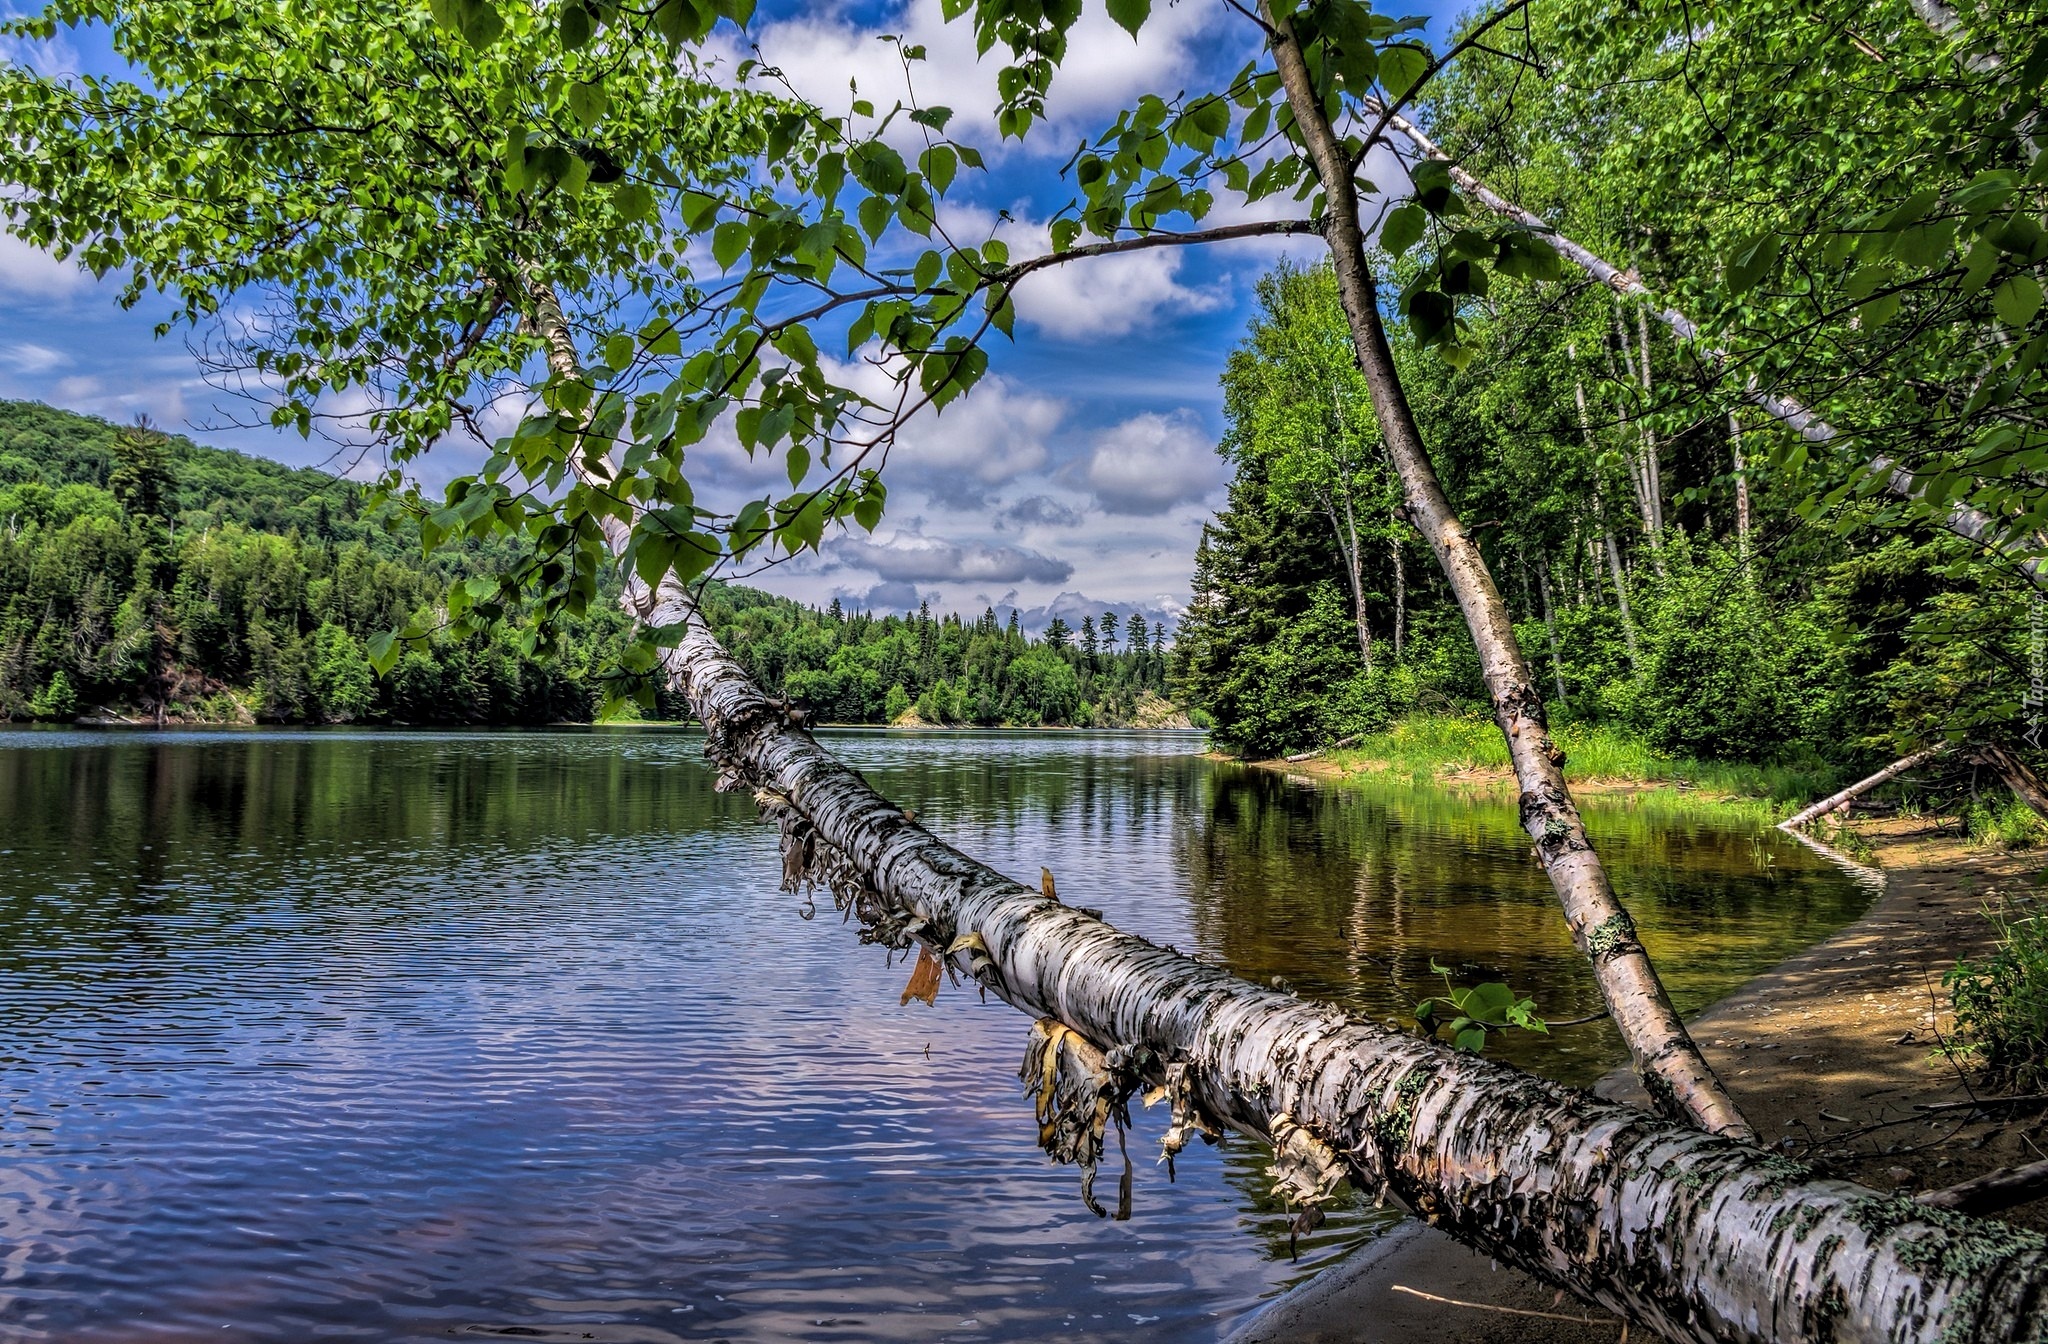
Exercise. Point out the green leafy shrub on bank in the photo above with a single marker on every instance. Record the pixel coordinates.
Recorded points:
(2001, 1001)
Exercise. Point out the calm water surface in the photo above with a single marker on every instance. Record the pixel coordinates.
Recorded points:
(419, 1036)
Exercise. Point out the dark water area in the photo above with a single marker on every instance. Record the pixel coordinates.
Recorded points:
(405, 1036)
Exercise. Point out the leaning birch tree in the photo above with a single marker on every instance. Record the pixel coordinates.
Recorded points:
(526, 143)
(497, 197)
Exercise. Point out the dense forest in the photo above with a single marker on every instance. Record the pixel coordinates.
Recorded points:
(146, 576)
(1669, 568)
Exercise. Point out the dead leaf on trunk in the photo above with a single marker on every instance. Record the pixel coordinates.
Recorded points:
(924, 979)
(1045, 884)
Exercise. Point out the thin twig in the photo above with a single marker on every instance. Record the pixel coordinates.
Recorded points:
(1505, 1311)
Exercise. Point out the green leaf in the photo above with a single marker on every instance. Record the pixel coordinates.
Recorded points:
(1403, 228)
(1751, 260)
(587, 102)
(1130, 15)
(729, 243)
(938, 164)
(1401, 65)
(575, 28)
(383, 651)
(799, 463)
(878, 168)
(874, 216)
(2017, 300)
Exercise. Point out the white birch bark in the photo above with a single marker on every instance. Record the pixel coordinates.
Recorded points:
(1961, 519)
(1550, 626)
(1400, 594)
(1628, 622)
(1741, 492)
(1699, 1237)
(1674, 1072)
(1861, 787)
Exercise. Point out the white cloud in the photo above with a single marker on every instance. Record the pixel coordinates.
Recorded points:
(27, 270)
(1103, 296)
(1151, 462)
(819, 54)
(999, 431)
(919, 559)
(26, 357)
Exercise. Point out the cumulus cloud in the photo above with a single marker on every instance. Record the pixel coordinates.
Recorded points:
(1151, 462)
(917, 559)
(823, 54)
(889, 596)
(1039, 511)
(29, 271)
(1107, 296)
(995, 434)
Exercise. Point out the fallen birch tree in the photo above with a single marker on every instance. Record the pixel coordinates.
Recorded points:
(1862, 786)
(1697, 1236)
(1701, 1236)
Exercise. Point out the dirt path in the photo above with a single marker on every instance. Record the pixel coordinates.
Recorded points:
(1824, 1054)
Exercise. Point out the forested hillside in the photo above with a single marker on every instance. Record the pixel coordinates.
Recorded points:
(146, 576)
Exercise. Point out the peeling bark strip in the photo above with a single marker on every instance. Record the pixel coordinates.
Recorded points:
(1674, 1072)
(1966, 522)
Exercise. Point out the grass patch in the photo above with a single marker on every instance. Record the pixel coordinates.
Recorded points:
(2002, 1001)
(2007, 825)
(1425, 746)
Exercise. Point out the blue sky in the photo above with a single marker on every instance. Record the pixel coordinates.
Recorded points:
(1083, 467)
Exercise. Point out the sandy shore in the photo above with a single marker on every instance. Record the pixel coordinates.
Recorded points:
(1823, 1054)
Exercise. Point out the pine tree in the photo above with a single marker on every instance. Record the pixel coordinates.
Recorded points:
(835, 611)
(1057, 634)
(1108, 627)
(1088, 644)
(141, 479)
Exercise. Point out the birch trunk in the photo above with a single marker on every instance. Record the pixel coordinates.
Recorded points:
(1861, 787)
(1347, 542)
(1628, 622)
(1653, 463)
(1400, 596)
(1676, 1075)
(1550, 626)
(1741, 493)
(1638, 461)
(1699, 1237)
(1961, 519)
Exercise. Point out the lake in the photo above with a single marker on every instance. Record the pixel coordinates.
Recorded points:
(412, 1036)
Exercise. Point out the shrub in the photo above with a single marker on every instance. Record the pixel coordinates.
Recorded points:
(2012, 825)
(2002, 1001)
